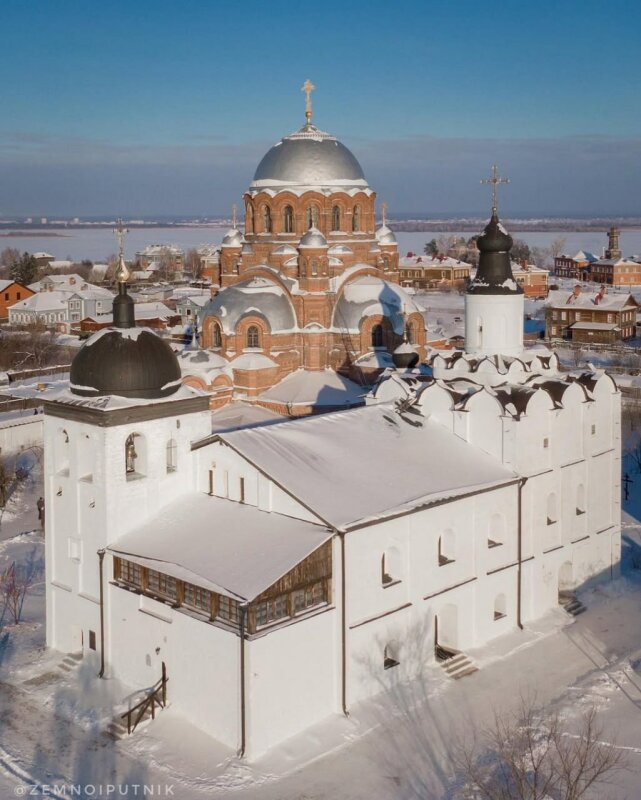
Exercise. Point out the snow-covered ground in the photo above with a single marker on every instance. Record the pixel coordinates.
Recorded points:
(53, 713)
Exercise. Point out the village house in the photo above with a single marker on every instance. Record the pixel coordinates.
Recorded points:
(10, 293)
(532, 279)
(432, 272)
(590, 317)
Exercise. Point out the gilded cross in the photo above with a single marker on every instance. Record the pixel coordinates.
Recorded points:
(308, 87)
(494, 180)
(383, 211)
(120, 232)
(234, 209)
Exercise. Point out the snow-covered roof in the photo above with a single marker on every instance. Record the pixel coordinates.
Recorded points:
(42, 301)
(323, 389)
(610, 300)
(257, 295)
(253, 361)
(368, 463)
(230, 548)
(5, 285)
(432, 262)
(593, 326)
(370, 295)
(237, 414)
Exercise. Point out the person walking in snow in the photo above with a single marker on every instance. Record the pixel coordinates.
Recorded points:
(40, 505)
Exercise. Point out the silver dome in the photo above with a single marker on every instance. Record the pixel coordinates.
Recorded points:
(385, 235)
(313, 238)
(309, 157)
(257, 296)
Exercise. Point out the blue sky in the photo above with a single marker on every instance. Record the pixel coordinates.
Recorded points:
(166, 107)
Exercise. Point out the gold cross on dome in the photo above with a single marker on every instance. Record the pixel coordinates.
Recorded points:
(234, 209)
(383, 212)
(494, 180)
(308, 87)
(120, 232)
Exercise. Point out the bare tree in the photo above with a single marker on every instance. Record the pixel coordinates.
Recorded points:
(15, 582)
(532, 756)
(557, 246)
(9, 256)
(193, 264)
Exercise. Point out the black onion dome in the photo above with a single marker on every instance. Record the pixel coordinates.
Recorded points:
(405, 356)
(494, 273)
(128, 362)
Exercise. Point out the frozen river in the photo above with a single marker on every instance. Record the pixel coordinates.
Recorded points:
(97, 244)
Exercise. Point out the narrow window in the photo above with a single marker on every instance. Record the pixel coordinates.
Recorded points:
(288, 219)
(546, 442)
(249, 215)
(593, 430)
(551, 510)
(242, 490)
(390, 657)
(377, 336)
(409, 333)
(217, 339)
(499, 607)
(386, 578)
(130, 454)
(172, 455)
(267, 220)
(356, 218)
(253, 336)
(312, 217)
(446, 548)
(336, 218)
(212, 479)
(92, 640)
(314, 266)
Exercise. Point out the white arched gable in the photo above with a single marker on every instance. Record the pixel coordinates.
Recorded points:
(485, 425)
(437, 402)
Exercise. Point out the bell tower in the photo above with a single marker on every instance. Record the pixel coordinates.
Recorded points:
(613, 251)
(494, 300)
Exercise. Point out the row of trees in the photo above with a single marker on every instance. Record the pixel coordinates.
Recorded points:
(465, 249)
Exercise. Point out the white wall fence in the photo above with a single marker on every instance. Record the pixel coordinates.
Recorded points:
(21, 433)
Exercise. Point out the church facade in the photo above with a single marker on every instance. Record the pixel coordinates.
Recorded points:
(279, 574)
(311, 285)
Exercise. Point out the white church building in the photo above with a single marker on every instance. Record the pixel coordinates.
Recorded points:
(278, 574)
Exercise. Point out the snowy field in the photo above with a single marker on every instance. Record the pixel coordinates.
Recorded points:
(54, 712)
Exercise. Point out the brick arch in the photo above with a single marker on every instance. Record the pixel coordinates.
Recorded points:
(418, 322)
(367, 325)
(207, 332)
(246, 322)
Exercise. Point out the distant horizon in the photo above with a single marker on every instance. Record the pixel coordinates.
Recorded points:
(98, 121)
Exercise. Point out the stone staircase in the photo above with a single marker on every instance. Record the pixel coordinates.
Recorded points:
(68, 664)
(455, 665)
(151, 701)
(571, 603)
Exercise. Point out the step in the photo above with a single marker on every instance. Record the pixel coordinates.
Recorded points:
(458, 666)
(72, 662)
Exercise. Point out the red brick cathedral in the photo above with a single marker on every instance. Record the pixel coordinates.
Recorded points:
(312, 284)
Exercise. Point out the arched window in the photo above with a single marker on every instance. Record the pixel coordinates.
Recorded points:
(133, 455)
(314, 266)
(580, 499)
(253, 336)
(336, 218)
(267, 220)
(63, 452)
(377, 336)
(216, 336)
(496, 532)
(172, 455)
(409, 333)
(446, 548)
(356, 218)
(312, 217)
(288, 219)
(391, 566)
(500, 608)
(551, 509)
(390, 656)
(250, 219)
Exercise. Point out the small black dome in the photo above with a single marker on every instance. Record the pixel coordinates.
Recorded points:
(128, 362)
(494, 239)
(405, 356)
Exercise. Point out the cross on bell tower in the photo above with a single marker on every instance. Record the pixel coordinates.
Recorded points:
(234, 210)
(308, 87)
(494, 180)
(122, 274)
(384, 212)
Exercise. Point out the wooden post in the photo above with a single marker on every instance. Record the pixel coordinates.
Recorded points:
(164, 684)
